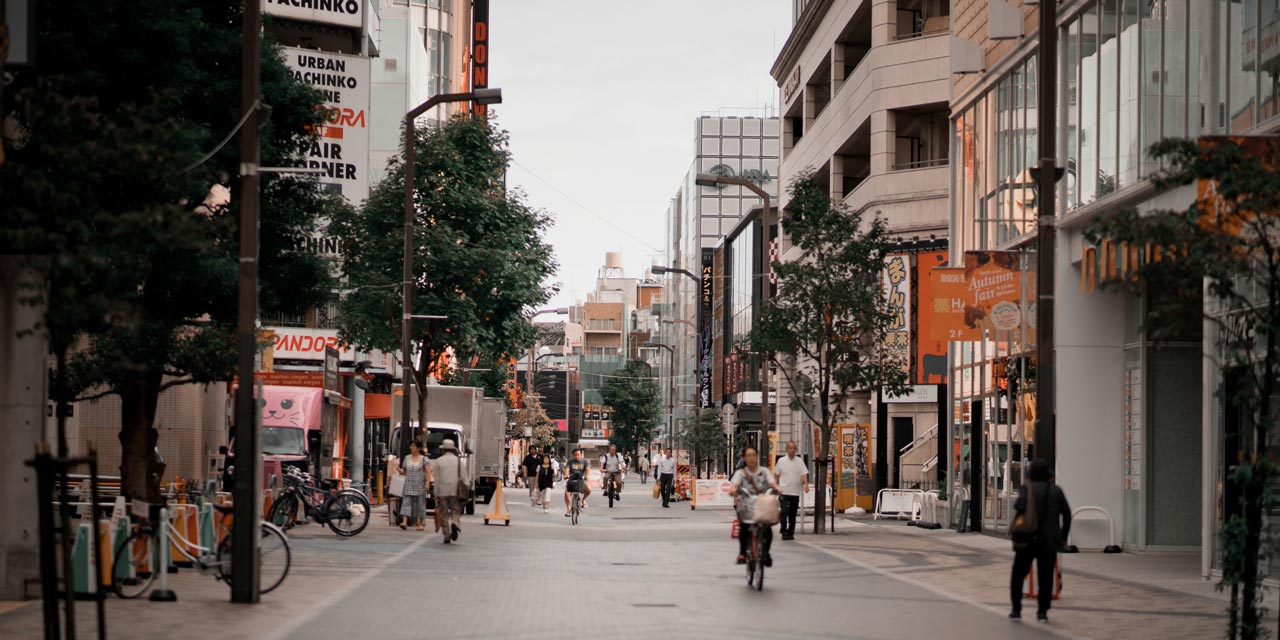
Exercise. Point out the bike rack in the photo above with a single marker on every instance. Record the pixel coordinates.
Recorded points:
(924, 507)
(1111, 526)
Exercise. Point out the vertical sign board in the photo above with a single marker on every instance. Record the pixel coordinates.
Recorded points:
(480, 50)
(897, 292)
(931, 351)
(706, 296)
(329, 413)
(853, 459)
(342, 149)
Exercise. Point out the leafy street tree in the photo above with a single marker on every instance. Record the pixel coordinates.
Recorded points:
(108, 190)
(634, 395)
(1222, 255)
(533, 417)
(704, 436)
(479, 260)
(824, 329)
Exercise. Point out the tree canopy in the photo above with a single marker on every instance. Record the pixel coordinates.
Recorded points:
(704, 436)
(635, 397)
(825, 327)
(479, 257)
(106, 190)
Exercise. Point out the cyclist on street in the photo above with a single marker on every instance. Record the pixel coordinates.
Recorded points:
(614, 468)
(575, 471)
(752, 480)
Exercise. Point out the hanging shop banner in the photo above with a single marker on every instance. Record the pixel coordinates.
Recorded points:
(343, 13)
(993, 284)
(931, 351)
(947, 305)
(480, 50)
(706, 297)
(342, 148)
(897, 292)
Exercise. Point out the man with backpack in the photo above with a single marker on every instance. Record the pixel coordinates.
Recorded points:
(1039, 529)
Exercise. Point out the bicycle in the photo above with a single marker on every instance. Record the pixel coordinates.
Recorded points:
(346, 512)
(575, 508)
(612, 484)
(147, 550)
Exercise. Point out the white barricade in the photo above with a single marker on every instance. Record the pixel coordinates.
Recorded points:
(896, 503)
(709, 494)
(811, 496)
(924, 507)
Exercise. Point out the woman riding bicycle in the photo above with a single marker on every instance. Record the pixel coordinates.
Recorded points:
(752, 480)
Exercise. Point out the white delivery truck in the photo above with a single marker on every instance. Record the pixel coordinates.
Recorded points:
(490, 441)
(453, 413)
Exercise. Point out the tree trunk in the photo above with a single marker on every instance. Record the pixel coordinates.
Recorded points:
(820, 495)
(140, 468)
(1249, 576)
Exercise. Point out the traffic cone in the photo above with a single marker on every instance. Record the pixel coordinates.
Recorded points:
(82, 561)
(207, 538)
(120, 530)
(498, 511)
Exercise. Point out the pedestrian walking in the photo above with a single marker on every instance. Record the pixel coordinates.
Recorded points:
(555, 466)
(530, 464)
(413, 503)
(793, 481)
(447, 473)
(644, 469)
(666, 477)
(1040, 526)
(546, 480)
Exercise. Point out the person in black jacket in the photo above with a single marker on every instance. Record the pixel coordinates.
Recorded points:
(1053, 524)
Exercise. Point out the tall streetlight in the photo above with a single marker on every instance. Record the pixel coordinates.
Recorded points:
(766, 272)
(657, 270)
(671, 390)
(481, 97)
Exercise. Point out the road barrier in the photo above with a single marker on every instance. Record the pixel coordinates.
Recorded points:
(1111, 527)
(924, 507)
(1029, 590)
(896, 503)
(710, 494)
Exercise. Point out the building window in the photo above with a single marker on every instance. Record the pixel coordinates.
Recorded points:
(602, 324)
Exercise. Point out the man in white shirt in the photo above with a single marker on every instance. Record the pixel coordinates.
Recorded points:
(666, 477)
(793, 480)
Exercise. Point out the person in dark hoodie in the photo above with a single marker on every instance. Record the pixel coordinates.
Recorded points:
(1052, 518)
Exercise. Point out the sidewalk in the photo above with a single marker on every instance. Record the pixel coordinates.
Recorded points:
(1129, 595)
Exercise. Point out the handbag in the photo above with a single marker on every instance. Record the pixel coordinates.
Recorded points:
(396, 488)
(657, 491)
(1023, 526)
(463, 492)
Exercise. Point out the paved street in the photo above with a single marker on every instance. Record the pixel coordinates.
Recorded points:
(639, 571)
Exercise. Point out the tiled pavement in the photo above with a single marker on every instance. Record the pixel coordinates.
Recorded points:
(638, 571)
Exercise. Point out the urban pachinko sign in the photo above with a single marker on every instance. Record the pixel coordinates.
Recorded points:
(897, 293)
(343, 13)
(993, 286)
(342, 149)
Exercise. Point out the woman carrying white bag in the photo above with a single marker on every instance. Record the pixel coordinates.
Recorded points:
(755, 504)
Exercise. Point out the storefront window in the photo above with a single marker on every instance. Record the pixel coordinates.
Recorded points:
(1269, 58)
(1152, 80)
(1108, 104)
(1087, 174)
(1071, 95)
(1129, 57)
(1242, 20)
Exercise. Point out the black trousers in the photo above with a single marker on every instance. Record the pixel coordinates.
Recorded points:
(1044, 559)
(744, 539)
(790, 507)
(667, 480)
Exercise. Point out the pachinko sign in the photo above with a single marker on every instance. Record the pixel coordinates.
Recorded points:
(993, 290)
(341, 151)
(342, 13)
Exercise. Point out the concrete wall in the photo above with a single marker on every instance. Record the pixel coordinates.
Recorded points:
(22, 407)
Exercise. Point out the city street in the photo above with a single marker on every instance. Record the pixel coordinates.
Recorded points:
(638, 571)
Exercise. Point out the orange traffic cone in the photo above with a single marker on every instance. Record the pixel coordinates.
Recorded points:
(498, 511)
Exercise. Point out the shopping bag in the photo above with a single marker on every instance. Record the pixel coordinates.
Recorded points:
(657, 491)
(765, 510)
(397, 485)
(735, 531)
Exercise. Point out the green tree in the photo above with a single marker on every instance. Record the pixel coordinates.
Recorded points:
(106, 190)
(825, 327)
(633, 394)
(1220, 263)
(479, 257)
(704, 436)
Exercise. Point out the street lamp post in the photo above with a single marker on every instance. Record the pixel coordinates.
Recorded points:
(658, 270)
(671, 389)
(766, 271)
(479, 96)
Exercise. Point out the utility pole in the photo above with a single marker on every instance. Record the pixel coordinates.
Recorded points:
(248, 482)
(1047, 179)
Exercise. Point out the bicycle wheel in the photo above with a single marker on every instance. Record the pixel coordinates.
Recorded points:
(274, 558)
(577, 506)
(610, 492)
(759, 558)
(347, 513)
(284, 513)
(134, 566)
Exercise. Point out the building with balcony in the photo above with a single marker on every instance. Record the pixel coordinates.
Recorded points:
(865, 88)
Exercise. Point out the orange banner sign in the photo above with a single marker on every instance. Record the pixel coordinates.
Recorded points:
(931, 350)
(993, 283)
(947, 306)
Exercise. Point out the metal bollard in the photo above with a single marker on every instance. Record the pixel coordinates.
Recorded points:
(163, 593)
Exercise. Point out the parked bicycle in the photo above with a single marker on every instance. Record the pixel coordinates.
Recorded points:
(345, 511)
(140, 558)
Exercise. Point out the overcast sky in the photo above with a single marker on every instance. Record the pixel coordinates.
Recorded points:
(600, 98)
